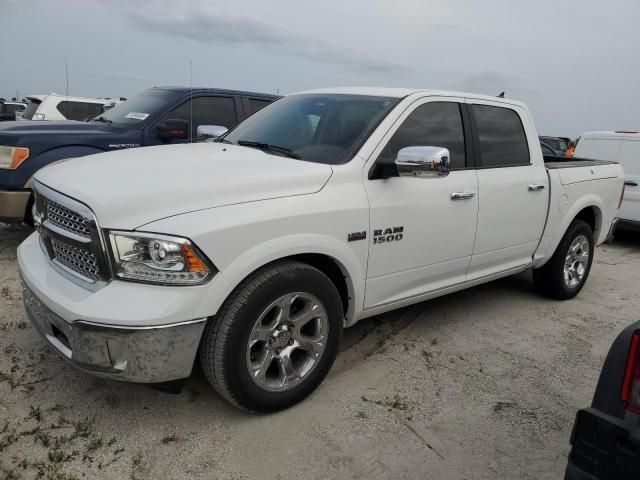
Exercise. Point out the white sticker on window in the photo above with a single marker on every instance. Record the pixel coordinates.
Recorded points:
(136, 115)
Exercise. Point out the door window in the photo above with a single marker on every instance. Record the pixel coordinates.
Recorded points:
(79, 110)
(503, 142)
(205, 111)
(434, 124)
(256, 104)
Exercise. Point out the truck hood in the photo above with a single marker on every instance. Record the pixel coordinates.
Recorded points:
(129, 188)
(54, 128)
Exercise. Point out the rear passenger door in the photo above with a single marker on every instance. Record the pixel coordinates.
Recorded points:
(512, 190)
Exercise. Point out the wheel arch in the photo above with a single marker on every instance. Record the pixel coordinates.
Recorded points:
(335, 260)
(590, 210)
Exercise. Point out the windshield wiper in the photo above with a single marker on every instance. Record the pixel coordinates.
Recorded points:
(102, 119)
(270, 148)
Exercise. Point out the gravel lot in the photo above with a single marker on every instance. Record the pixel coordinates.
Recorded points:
(483, 384)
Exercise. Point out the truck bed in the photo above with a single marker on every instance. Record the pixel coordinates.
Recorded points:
(554, 162)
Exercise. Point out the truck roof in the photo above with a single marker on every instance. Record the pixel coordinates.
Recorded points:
(221, 91)
(40, 98)
(404, 92)
(612, 134)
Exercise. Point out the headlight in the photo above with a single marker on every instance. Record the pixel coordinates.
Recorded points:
(12, 157)
(155, 258)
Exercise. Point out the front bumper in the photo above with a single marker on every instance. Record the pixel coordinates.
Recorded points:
(123, 331)
(603, 447)
(141, 355)
(13, 205)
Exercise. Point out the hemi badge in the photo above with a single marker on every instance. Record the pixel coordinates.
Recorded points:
(352, 237)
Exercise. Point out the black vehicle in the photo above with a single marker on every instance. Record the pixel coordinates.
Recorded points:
(558, 144)
(606, 436)
(160, 115)
(8, 109)
(548, 151)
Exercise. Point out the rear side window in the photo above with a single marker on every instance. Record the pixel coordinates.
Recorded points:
(256, 104)
(434, 124)
(79, 110)
(598, 148)
(31, 109)
(503, 142)
(630, 156)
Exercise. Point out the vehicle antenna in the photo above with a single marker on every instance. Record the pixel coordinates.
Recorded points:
(190, 101)
(66, 74)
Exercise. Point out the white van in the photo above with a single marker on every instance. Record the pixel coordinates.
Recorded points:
(622, 147)
(62, 107)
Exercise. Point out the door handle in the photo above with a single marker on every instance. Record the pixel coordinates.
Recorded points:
(534, 187)
(630, 183)
(462, 195)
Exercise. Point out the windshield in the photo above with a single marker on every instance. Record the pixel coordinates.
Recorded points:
(31, 109)
(136, 110)
(318, 128)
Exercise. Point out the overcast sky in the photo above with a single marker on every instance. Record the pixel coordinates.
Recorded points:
(576, 63)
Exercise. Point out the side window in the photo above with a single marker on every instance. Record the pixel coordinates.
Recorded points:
(630, 156)
(434, 124)
(79, 110)
(503, 142)
(256, 104)
(598, 149)
(206, 111)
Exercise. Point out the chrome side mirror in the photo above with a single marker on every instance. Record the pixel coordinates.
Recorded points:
(424, 162)
(211, 131)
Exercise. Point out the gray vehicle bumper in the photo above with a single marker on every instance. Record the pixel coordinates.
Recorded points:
(131, 354)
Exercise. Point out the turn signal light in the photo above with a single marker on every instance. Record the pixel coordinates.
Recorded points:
(631, 384)
(12, 157)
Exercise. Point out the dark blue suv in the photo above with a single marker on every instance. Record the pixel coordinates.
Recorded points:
(157, 116)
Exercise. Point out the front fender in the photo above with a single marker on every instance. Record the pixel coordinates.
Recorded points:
(288, 246)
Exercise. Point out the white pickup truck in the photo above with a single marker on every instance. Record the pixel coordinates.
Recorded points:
(324, 208)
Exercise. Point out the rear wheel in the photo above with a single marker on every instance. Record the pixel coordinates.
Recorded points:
(564, 275)
(275, 338)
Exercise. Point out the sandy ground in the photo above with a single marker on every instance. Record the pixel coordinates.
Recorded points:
(483, 384)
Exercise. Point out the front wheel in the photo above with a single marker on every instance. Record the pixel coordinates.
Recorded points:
(564, 275)
(275, 338)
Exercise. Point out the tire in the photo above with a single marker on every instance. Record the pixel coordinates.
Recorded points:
(551, 279)
(28, 216)
(270, 308)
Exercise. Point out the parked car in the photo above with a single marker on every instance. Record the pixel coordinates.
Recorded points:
(320, 210)
(548, 151)
(622, 147)
(9, 109)
(155, 117)
(62, 107)
(557, 144)
(606, 436)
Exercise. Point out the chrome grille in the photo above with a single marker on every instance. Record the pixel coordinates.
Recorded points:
(67, 219)
(77, 259)
(70, 237)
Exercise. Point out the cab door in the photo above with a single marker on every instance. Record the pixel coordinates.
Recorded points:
(513, 189)
(422, 229)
